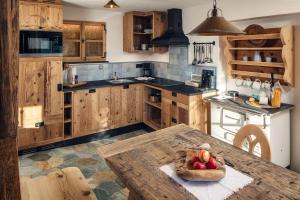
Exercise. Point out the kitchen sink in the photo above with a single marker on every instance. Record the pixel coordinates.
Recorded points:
(120, 81)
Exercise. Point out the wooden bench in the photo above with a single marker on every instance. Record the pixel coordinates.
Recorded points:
(68, 183)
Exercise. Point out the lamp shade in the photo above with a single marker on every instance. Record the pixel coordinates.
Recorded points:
(111, 4)
(216, 25)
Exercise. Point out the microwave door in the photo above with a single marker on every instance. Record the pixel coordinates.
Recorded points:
(40, 43)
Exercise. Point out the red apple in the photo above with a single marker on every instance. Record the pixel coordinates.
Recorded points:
(195, 159)
(199, 165)
(212, 163)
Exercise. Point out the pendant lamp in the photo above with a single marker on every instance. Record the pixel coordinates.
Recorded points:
(111, 4)
(215, 24)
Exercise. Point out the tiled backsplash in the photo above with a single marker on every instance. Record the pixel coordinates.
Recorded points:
(103, 71)
(177, 68)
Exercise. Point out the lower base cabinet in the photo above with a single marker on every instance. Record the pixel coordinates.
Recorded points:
(84, 112)
(193, 113)
(91, 111)
(97, 110)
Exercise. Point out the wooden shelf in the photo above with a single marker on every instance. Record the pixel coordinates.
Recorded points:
(71, 40)
(156, 105)
(142, 51)
(155, 124)
(256, 49)
(256, 74)
(255, 37)
(68, 106)
(137, 33)
(254, 63)
(94, 41)
(276, 43)
(67, 120)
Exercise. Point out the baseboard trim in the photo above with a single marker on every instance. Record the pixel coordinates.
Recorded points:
(88, 138)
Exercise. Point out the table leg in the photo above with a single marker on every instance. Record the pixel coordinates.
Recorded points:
(133, 196)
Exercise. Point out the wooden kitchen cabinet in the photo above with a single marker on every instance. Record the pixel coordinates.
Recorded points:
(84, 41)
(132, 104)
(134, 24)
(126, 105)
(190, 110)
(40, 101)
(40, 16)
(91, 111)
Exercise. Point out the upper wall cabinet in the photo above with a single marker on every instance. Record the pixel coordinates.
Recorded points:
(84, 41)
(140, 28)
(40, 16)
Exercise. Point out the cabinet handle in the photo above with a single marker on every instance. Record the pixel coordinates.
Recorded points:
(125, 87)
(174, 120)
(92, 90)
(59, 87)
(174, 94)
(174, 103)
(39, 124)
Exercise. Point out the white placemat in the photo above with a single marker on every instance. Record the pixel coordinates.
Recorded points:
(232, 182)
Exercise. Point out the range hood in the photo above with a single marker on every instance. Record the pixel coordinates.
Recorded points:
(174, 35)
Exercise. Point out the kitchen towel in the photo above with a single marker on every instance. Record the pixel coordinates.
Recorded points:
(232, 182)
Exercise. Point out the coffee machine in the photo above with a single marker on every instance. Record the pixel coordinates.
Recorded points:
(146, 69)
(208, 79)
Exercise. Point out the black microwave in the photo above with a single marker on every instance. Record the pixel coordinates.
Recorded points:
(41, 43)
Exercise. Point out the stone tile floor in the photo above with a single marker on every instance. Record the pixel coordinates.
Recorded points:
(102, 180)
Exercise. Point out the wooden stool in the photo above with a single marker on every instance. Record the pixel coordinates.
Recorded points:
(68, 183)
(246, 133)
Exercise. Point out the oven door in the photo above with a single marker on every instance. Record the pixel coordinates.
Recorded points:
(41, 43)
(225, 123)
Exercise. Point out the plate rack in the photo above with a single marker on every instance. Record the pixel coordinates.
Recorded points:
(276, 44)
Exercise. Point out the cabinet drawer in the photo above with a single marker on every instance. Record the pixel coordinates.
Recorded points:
(177, 97)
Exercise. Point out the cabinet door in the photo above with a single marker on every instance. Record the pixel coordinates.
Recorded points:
(166, 106)
(160, 27)
(53, 97)
(116, 107)
(198, 114)
(174, 113)
(72, 41)
(91, 111)
(40, 104)
(94, 35)
(52, 17)
(30, 15)
(132, 104)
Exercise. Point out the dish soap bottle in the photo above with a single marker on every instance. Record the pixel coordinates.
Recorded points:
(276, 96)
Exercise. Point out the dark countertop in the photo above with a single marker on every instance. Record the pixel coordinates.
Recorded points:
(240, 105)
(174, 86)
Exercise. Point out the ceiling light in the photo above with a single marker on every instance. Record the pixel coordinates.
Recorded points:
(215, 24)
(111, 4)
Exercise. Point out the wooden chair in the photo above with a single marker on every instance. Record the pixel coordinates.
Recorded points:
(253, 135)
(68, 183)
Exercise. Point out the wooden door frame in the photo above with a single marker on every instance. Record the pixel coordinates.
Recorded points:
(9, 68)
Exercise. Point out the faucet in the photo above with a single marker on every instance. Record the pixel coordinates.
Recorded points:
(115, 76)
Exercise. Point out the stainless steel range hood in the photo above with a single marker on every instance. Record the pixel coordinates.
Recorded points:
(174, 35)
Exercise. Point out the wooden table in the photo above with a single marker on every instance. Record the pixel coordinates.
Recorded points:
(137, 160)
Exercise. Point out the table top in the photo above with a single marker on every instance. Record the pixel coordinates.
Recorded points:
(136, 162)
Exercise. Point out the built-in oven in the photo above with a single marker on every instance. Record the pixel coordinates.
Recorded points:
(41, 43)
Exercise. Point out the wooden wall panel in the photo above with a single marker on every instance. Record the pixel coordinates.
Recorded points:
(9, 62)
